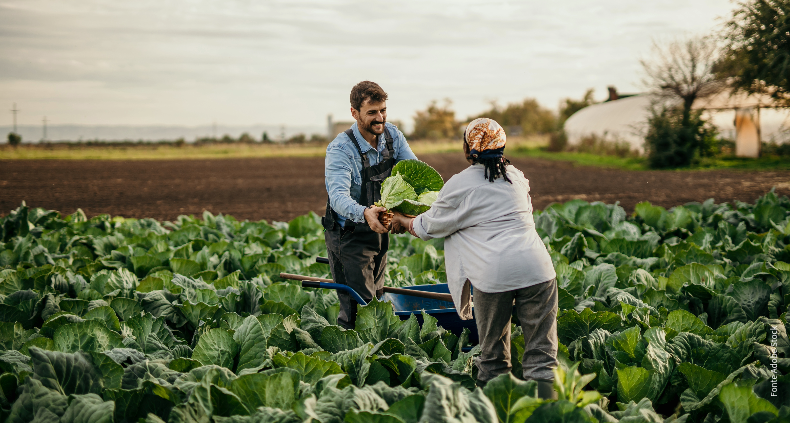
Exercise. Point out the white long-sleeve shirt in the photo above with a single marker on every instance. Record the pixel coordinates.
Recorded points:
(490, 234)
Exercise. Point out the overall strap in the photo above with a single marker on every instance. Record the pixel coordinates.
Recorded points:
(362, 156)
(390, 152)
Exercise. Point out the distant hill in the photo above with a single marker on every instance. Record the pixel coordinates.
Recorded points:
(55, 133)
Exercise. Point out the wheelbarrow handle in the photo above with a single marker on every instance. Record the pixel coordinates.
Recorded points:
(322, 260)
(336, 286)
(324, 282)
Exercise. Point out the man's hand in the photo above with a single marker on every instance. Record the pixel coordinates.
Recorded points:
(400, 223)
(372, 217)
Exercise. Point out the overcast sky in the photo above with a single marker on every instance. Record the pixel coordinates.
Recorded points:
(293, 62)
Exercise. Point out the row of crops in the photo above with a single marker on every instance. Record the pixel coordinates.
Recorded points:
(676, 315)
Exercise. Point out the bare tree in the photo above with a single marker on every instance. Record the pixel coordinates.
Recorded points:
(684, 70)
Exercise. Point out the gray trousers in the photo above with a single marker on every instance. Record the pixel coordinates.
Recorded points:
(356, 259)
(536, 308)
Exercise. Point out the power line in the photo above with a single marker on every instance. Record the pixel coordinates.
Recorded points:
(14, 111)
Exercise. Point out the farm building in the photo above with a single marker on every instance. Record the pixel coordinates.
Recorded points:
(746, 119)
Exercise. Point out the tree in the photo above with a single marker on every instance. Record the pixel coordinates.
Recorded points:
(680, 72)
(757, 56)
(671, 143)
(436, 122)
(558, 139)
(684, 70)
(570, 106)
(529, 115)
(14, 139)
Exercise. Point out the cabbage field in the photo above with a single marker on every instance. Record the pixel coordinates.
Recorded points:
(665, 315)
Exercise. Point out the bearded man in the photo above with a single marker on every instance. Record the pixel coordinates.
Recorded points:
(357, 161)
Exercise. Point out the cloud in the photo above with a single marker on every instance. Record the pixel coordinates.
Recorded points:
(194, 61)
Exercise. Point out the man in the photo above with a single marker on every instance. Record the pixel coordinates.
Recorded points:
(357, 161)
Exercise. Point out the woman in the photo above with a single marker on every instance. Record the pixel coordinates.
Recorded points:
(485, 214)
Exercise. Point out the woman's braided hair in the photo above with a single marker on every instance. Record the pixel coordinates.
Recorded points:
(494, 168)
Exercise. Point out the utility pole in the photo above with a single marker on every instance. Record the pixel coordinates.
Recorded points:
(14, 111)
(45, 128)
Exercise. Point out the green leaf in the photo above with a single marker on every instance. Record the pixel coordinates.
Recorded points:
(753, 296)
(428, 197)
(396, 369)
(627, 346)
(184, 267)
(504, 390)
(289, 294)
(572, 324)
(105, 315)
(394, 191)
(723, 309)
(276, 307)
(277, 389)
(111, 371)
(195, 313)
(560, 411)
(88, 408)
(633, 384)
(408, 409)
(448, 401)
(35, 397)
(216, 347)
(693, 273)
(126, 308)
(683, 321)
(354, 416)
(12, 361)
(89, 336)
(377, 321)
(355, 362)
(66, 373)
(741, 403)
(150, 333)
(602, 277)
(701, 381)
(336, 339)
(419, 175)
(252, 344)
(311, 369)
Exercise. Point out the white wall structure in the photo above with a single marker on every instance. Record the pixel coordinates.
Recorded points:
(622, 120)
(625, 120)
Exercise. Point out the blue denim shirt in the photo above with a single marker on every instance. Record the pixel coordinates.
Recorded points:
(343, 169)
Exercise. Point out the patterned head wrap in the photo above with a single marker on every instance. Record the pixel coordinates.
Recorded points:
(486, 138)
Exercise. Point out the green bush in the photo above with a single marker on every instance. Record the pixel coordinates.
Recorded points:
(14, 139)
(669, 143)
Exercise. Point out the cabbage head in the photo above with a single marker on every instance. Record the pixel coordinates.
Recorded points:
(412, 188)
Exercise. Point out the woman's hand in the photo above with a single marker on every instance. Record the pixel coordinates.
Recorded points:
(400, 223)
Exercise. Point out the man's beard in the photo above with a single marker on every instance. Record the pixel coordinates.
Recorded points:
(369, 127)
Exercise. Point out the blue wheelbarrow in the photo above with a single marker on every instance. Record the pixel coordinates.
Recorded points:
(435, 300)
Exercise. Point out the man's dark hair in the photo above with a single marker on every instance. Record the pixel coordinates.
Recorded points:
(366, 90)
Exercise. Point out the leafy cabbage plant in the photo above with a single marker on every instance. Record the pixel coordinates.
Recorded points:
(411, 189)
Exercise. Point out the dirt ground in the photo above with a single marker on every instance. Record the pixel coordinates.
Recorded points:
(283, 188)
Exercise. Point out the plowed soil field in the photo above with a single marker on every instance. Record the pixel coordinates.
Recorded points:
(283, 188)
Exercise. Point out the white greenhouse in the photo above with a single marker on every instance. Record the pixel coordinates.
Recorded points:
(745, 119)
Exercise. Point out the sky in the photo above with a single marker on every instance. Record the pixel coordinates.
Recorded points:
(293, 62)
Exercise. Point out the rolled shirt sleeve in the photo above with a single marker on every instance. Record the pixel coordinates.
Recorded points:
(338, 170)
(441, 220)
